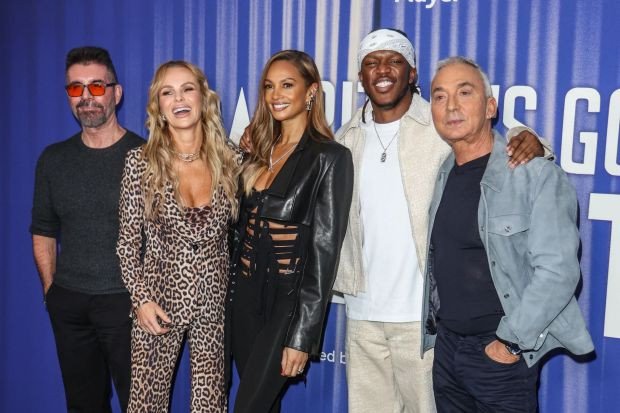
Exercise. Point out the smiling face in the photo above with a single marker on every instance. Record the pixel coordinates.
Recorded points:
(461, 110)
(286, 92)
(93, 111)
(386, 77)
(180, 100)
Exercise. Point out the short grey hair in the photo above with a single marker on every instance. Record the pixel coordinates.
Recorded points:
(467, 61)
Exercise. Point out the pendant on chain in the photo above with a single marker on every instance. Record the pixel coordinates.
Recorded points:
(384, 147)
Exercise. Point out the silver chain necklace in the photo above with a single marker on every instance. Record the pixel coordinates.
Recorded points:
(273, 163)
(385, 148)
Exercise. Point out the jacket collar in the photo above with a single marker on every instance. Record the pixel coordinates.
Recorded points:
(497, 170)
(417, 112)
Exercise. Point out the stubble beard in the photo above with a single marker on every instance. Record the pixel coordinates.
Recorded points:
(93, 118)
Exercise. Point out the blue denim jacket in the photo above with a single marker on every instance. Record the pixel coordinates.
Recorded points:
(527, 219)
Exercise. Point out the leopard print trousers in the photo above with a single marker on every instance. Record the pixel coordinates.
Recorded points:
(153, 360)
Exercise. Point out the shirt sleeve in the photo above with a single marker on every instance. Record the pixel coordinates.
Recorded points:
(331, 211)
(45, 221)
(130, 234)
(549, 154)
(552, 249)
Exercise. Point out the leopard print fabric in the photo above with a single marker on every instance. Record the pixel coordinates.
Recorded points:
(184, 269)
(154, 360)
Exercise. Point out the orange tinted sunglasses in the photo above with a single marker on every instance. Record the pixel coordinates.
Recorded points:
(76, 89)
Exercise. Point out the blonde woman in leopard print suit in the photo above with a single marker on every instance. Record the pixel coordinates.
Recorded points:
(177, 199)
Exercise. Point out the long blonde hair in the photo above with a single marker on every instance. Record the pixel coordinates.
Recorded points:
(215, 147)
(265, 130)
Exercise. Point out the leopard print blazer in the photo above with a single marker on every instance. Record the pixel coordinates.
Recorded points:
(183, 270)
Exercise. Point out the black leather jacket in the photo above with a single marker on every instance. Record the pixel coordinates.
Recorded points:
(314, 188)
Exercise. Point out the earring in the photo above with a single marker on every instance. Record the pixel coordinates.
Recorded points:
(163, 118)
(309, 102)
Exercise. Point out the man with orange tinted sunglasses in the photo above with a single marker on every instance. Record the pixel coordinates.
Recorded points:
(76, 195)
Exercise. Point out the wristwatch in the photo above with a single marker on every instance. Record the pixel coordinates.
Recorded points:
(512, 348)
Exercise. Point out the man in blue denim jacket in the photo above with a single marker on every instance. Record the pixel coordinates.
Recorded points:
(502, 264)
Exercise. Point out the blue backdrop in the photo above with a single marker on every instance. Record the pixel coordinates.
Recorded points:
(554, 63)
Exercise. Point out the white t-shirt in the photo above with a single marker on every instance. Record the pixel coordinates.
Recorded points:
(394, 282)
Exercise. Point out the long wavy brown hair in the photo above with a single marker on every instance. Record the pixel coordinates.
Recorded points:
(264, 130)
(216, 149)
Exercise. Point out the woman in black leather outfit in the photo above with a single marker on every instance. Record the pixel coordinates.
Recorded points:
(297, 186)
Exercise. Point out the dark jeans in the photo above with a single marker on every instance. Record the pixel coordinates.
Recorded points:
(93, 341)
(465, 379)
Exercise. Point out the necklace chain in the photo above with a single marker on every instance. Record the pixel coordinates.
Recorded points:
(273, 163)
(186, 157)
(385, 148)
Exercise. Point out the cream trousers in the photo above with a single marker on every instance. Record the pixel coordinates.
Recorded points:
(384, 370)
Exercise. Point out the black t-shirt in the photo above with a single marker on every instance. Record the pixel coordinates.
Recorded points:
(469, 304)
(76, 198)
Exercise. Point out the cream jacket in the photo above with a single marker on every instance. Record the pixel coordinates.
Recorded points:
(420, 152)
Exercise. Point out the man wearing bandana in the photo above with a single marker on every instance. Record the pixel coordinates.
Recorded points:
(397, 154)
